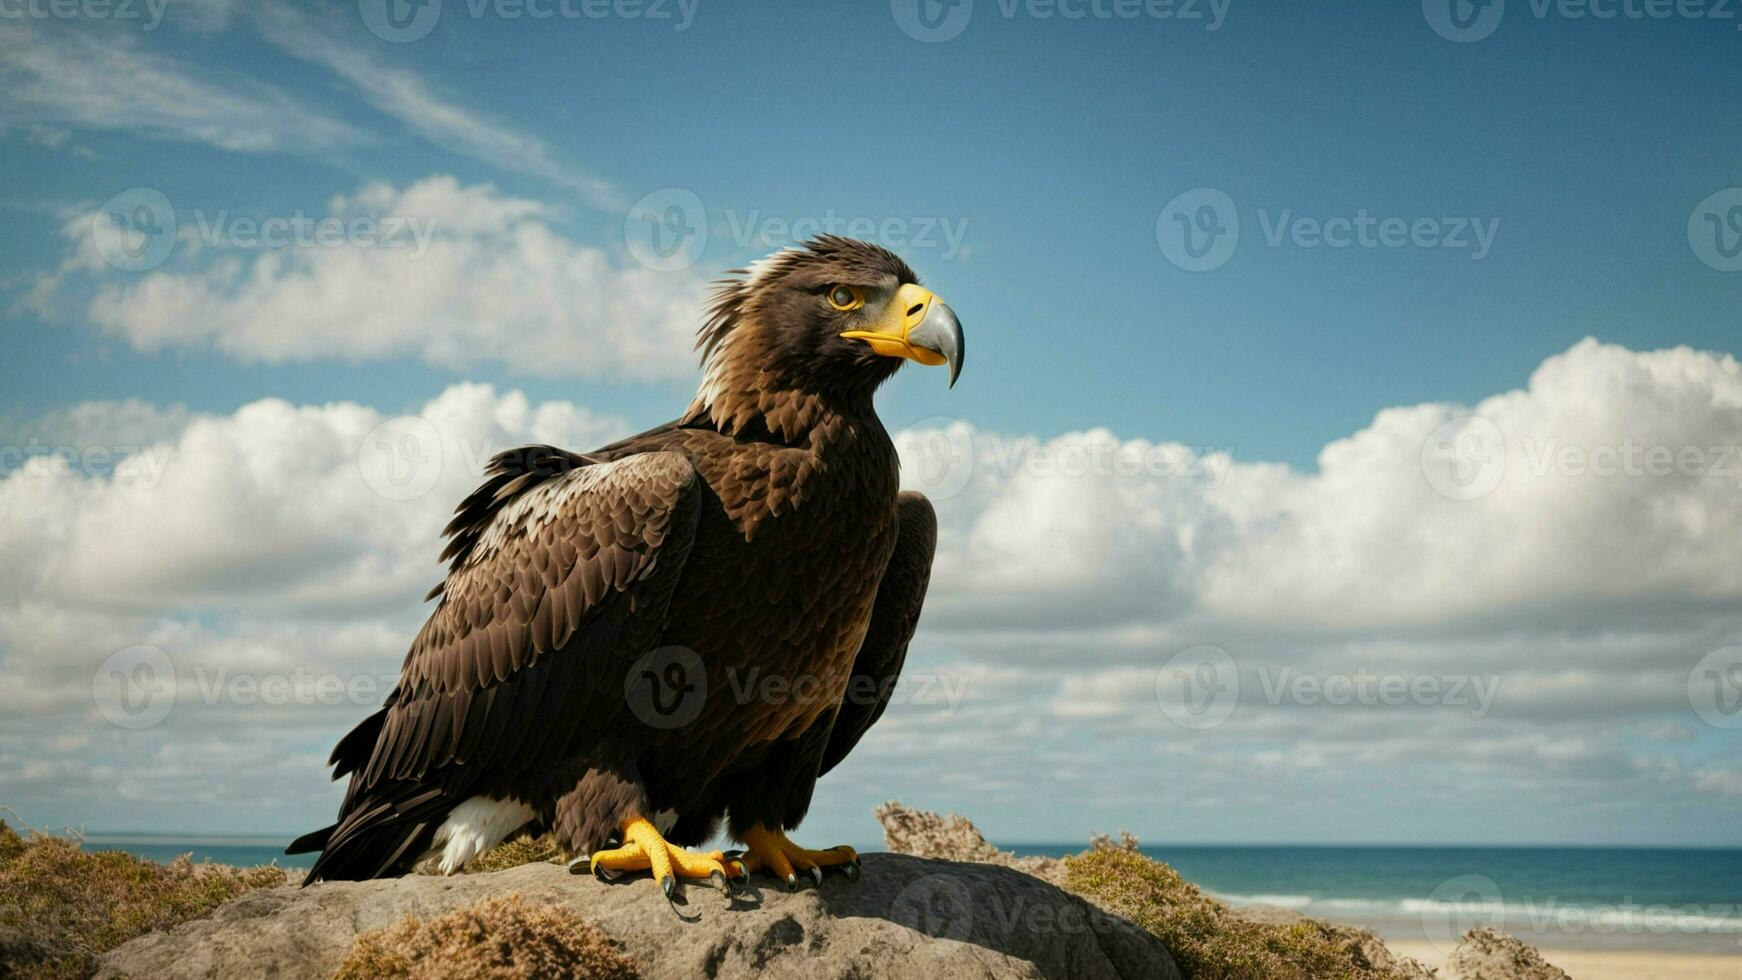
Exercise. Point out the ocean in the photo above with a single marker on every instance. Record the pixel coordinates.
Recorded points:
(1554, 897)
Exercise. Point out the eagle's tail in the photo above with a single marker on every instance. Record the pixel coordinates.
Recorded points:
(380, 836)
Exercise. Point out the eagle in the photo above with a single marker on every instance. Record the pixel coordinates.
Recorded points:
(684, 629)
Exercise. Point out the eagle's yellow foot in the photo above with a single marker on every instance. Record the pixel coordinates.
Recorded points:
(644, 849)
(771, 850)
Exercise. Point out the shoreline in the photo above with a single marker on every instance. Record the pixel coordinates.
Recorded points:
(1589, 964)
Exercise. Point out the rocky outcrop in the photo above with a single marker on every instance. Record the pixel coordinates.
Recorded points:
(904, 917)
(1488, 954)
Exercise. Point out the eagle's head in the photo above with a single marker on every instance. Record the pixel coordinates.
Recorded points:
(832, 318)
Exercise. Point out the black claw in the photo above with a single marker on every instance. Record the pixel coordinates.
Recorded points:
(851, 870)
(668, 885)
(817, 876)
(606, 875)
(737, 857)
(721, 885)
(792, 883)
(581, 866)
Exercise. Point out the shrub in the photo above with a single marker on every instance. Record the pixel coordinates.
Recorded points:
(499, 938)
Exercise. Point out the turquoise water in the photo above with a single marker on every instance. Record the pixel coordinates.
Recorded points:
(1602, 898)
(1597, 898)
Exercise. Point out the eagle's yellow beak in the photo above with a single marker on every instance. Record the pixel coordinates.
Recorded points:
(918, 326)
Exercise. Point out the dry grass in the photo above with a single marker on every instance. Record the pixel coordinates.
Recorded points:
(1212, 942)
(1209, 940)
(62, 906)
(499, 938)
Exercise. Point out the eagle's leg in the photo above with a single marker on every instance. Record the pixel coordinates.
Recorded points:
(773, 851)
(644, 849)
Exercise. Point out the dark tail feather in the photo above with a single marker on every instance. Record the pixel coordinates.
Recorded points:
(381, 834)
(314, 840)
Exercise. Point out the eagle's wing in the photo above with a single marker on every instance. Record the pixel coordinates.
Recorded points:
(893, 619)
(563, 568)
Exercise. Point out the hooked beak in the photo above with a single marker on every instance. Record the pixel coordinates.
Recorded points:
(918, 326)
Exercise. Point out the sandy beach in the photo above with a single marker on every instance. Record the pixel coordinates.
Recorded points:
(1584, 964)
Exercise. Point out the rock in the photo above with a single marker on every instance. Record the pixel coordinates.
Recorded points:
(1489, 954)
(952, 838)
(905, 917)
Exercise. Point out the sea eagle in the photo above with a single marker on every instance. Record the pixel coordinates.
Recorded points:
(690, 625)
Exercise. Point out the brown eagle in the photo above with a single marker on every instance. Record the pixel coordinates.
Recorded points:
(690, 625)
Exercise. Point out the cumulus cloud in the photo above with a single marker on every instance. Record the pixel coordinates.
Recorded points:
(1395, 644)
(450, 274)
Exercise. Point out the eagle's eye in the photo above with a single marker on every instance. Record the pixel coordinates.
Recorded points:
(846, 297)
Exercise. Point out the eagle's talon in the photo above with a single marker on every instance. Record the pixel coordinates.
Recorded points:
(817, 875)
(791, 882)
(850, 870)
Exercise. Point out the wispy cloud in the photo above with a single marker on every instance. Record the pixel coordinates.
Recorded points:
(103, 79)
(405, 95)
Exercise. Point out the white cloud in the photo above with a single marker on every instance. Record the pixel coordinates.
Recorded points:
(494, 283)
(1059, 593)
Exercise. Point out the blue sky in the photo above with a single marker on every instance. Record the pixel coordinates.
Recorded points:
(1056, 143)
(1053, 148)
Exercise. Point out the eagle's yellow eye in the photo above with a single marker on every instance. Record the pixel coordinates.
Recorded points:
(846, 297)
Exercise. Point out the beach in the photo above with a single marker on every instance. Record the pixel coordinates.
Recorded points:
(1585, 964)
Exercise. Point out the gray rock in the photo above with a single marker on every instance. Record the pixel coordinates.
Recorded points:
(1489, 954)
(905, 917)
